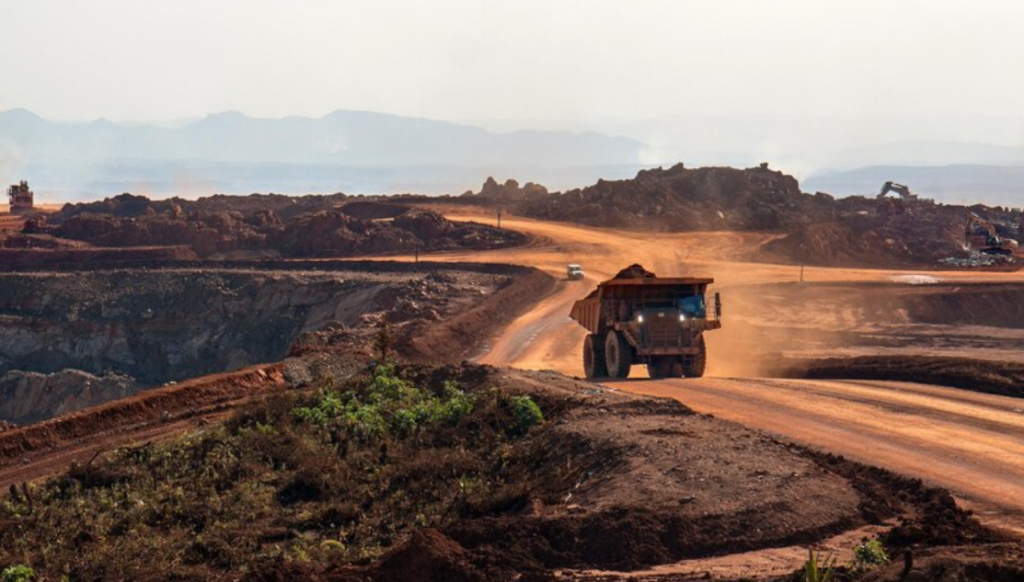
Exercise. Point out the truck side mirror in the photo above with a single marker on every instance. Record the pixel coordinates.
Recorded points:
(718, 305)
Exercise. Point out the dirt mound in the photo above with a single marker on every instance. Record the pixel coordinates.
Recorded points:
(1003, 378)
(297, 229)
(685, 199)
(428, 556)
(132, 206)
(635, 271)
(975, 563)
(373, 210)
(816, 228)
(870, 232)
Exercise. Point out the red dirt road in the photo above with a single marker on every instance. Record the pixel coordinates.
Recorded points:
(971, 443)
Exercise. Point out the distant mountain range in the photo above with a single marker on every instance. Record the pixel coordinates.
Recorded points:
(350, 151)
(375, 153)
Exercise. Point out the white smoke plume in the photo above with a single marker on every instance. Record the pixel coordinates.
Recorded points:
(12, 160)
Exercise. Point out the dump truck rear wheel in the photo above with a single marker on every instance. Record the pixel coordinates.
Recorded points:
(693, 367)
(662, 367)
(617, 355)
(593, 357)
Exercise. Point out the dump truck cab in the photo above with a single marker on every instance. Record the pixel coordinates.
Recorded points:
(574, 272)
(648, 320)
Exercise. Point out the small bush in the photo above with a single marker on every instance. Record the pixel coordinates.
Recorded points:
(869, 555)
(389, 405)
(18, 574)
(526, 413)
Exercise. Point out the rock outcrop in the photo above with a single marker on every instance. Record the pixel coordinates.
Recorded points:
(27, 397)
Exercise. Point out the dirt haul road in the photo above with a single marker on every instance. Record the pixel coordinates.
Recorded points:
(970, 443)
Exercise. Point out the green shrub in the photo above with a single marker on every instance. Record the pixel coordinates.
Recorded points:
(388, 405)
(526, 413)
(869, 555)
(18, 574)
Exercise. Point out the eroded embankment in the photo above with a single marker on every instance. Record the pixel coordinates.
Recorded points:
(174, 321)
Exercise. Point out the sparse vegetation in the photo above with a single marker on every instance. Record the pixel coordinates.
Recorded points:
(526, 413)
(18, 574)
(333, 476)
(868, 555)
(818, 569)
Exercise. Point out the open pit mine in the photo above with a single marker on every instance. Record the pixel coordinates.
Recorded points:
(696, 373)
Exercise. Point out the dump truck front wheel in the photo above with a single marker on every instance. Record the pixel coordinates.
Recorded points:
(617, 355)
(593, 357)
(693, 366)
(663, 367)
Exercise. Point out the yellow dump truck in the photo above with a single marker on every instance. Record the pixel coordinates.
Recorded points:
(639, 318)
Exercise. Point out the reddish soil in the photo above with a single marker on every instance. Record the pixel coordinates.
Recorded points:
(41, 449)
(625, 482)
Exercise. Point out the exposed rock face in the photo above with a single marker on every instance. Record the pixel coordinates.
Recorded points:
(510, 190)
(161, 326)
(167, 325)
(27, 397)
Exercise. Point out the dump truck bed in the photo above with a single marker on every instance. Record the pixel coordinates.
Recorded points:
(590, 311)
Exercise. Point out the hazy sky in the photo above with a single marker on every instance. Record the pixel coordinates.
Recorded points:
(938, 68)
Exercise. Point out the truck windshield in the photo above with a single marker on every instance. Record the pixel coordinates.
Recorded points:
(692, 306)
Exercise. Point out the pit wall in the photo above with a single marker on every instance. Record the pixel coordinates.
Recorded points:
(111, 347)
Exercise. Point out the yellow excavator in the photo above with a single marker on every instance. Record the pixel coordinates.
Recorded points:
(901, 189)
(982, 236)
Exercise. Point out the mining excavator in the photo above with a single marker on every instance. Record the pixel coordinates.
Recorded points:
(639, 318)
(901, 189)
(982, 235)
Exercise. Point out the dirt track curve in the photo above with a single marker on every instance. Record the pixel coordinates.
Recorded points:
(971, 443)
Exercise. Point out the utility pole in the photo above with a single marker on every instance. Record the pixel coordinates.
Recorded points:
(499, 218)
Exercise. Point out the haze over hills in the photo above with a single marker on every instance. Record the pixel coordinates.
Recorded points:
(376, 153)
(349, 151)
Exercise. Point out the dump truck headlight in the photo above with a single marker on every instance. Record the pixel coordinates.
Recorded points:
(682, 317)
(640, 318)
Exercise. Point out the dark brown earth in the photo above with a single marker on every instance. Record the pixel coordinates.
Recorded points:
(991, 377)
(267, 225)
